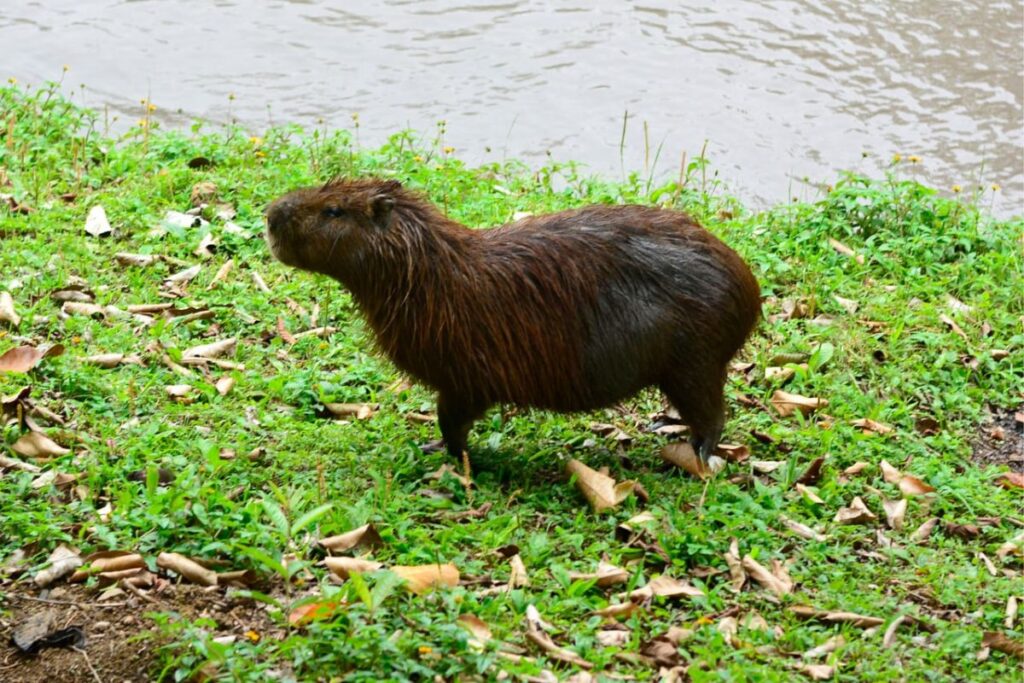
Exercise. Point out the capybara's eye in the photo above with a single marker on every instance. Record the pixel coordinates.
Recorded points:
(334, 212)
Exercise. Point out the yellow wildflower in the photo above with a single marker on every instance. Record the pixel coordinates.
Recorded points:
(914, 159)
(76, 340)
(425, 650)
(151, 107)
(252, 635)
(897, 158)
(995, 187)
(449, 150)
(957, 189)
(256, 141)
(417, 158)
(142, 123)
(12, 80)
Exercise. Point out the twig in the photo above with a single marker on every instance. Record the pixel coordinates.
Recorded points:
(71, 603)
(88, 663)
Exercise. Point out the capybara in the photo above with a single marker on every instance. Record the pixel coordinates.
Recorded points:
(571, 311)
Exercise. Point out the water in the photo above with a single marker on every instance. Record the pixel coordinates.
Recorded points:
(781, 90)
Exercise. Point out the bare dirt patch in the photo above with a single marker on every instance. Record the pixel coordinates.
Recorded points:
(1000, 439)
(120, 639)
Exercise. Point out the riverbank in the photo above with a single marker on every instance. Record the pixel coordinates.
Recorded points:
(897, 306)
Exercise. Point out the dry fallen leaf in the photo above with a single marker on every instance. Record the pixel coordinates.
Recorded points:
(600, 490)
(613, 634)
(96, 223)
(682, 455)
(187, 568)
(606, 575)
(856, 513)
(182, 276)
(802, 530)
(895, 511)
(212, 350)
(421, 578)
(62, 562)
(1012, 480)
(535, 632)
(112, 360)
(360, 411)
(856, 468)
(766, 466)
(737, 575)
(849, 305)
(1011, 612)
(138, 260)
(665, 587)
(912, 486)
(953, 326)
(365, 536)
(319, 610)
(1003, 643)
(817, 672)
(222, 273)
(24, 358)
(923, 532)
(38, 445)
(829, 646)
(786, 403)
(179, 392)
(108, 561)
(224, 385)
(809, 494)
(480, 631)
(777, 580)
(620, 610)
(343, 566)
(7, 312)
(869, 426)
(859, 620)
(845, 250)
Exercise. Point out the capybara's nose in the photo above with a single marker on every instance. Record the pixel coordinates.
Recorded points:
(278, 215)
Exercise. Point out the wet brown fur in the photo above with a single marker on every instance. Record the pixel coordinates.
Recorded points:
(570, 311)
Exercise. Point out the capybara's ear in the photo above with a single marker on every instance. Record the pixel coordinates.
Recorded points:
(380, 209)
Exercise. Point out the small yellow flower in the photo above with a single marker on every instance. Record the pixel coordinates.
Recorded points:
(425, 650)
(252, 635)
(150, 107)
(449, 150)
(914, 159)
(256, 141)
(355, 117)
(260, 154)
(957, 189)
(417, 158)
(897, 158)
(142, 123)
(231, 96)
(2, 334)
(76, 340)
(66, 68)
(995, 187)
(12, 80)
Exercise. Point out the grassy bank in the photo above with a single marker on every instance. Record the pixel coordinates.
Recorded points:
(894, 304)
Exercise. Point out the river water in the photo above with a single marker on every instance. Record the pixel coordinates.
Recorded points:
(781, 90)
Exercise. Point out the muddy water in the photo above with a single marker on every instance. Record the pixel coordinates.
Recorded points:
(782, 90)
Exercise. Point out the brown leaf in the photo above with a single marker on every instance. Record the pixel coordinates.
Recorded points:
(618, 610)
(421, 578)
(682, 455)
(895, 511)
(856, 513)
(802, 530)
(24, 358)
(849, 305)
(365, 536)
(812, 475)
(817, 672)
(112, 360)
(829, 646)
(108, 561)
(203, 192)
(138, 260)
(1003, 643)
(600, 490)
(535, 633)
(869, 426)
(779, 374)
(856, 468)
(224, 385)
(211, 350)
(889, 473)
(777, 580)
(605, 576)
(361, 411)
(927, 426)
(476, 627)
(7, 312)
(664, 649)
(665, 587)
(320, 610)
(188, 569)
(62, 562)
(859, 620)
(38, 445)
(912, 486)
(737, 575)
(786, 403)
(845, 250)
(517, 577)
(965, 531)
(923, 532)
(613, 635)
(766, 466)
(953, 326)
(343, 566)
(1012, 480)
(731, 452)
(809, 494)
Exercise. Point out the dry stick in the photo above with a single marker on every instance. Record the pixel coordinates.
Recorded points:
(72, 603)
(88, 663)
(703, 494)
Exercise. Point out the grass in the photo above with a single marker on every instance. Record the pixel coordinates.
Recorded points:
(894, 361)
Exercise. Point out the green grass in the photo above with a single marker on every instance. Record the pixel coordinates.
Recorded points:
(919, 248)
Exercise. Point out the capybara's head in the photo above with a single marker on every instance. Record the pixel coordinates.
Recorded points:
(329, 229)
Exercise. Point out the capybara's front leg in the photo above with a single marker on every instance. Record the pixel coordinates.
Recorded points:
(455, 417)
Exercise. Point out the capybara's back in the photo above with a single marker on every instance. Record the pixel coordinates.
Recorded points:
(571, 311)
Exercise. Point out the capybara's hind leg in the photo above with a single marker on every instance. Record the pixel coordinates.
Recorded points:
(702, 406)
(455, 417)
